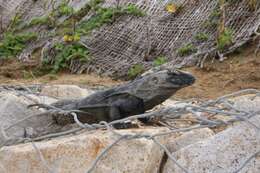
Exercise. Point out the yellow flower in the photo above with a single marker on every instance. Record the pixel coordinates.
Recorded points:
(171, 8)
(70, 39)
(66, 38)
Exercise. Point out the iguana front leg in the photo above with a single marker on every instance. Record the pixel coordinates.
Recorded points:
(129, 105)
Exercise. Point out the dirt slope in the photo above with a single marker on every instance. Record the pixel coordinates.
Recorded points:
(239, 71)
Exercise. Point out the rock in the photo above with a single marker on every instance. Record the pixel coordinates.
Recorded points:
(227, 150)
(65, 91)
(13, 108)
(76, 154)
(250, 103)
(174, 104)
(42, 99)
(188, 138)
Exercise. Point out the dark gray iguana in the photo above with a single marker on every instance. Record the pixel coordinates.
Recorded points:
(128, 99)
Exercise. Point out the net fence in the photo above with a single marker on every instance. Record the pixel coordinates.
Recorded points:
(213, 114)
(132, 40)
(140, 40)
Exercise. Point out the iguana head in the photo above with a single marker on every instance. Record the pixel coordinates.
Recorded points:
(178, 79)
(166, 80)
(158, 86)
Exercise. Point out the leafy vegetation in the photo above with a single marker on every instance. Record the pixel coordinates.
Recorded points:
(107, 15)
(159, 61)
(135, 70)
(224, 39)
(12, 45)
(64, 9)
(66, 53)
(201, 36)
(39, 21)
(50, 20)
(131, 10)
(187, 50)
(95, 4)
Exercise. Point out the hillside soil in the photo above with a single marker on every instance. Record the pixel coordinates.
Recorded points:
(239, 71)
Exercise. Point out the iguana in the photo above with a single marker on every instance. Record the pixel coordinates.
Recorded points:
(131, 98)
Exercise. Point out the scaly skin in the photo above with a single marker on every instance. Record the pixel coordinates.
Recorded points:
(129, 99)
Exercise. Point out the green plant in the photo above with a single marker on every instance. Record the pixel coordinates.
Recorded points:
(187, 50)
(159, 61)
(12, 45)
(64, 9)
(49, 21)
(105, 16)
(91, 5)
(39, 21)
(132, 10)
(225, 39)
(66, 53)
(201, 36)
(95, 4)
(135, 70)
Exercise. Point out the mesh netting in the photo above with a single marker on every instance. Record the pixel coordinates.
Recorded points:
(134, 40)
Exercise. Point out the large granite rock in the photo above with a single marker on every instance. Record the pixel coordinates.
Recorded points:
(226, 151)
(13, 108)
(65, 91)
(76, 154)
(17, 121)
(188, 138)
